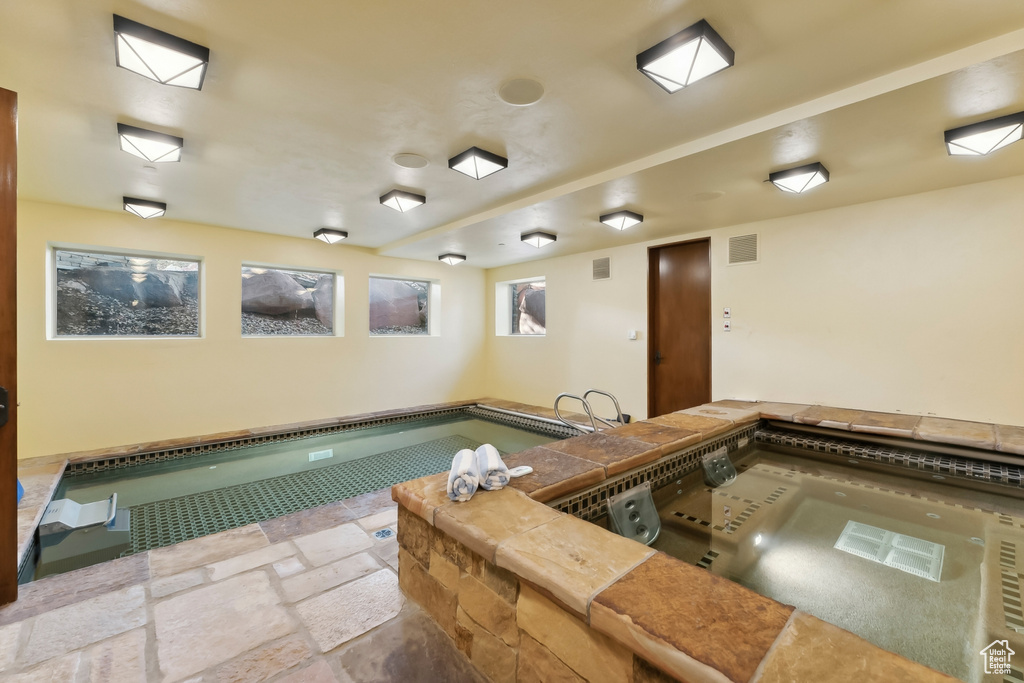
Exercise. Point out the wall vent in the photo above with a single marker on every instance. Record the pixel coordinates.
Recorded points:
(743, 249)
(602, 268)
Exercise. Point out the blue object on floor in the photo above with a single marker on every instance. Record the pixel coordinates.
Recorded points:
(21, 490)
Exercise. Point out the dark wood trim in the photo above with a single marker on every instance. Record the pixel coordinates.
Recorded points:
(651, 336)
(9, 344)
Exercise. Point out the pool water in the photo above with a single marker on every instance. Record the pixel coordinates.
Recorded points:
(777, 527)
(177, 500)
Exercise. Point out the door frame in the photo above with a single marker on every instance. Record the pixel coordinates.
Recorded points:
(651, 339)
(9, 344)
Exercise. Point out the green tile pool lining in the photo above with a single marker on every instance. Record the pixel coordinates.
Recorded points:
(165, 522)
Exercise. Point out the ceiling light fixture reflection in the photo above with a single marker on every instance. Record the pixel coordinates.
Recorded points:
(402, 201)
(690, 55)
(800, 179)
(452, 259)
(148, 144)
(620, 220)
(159, 56)
(538, 238)
(330, 235)
(144, 208)
(477, 163)
(985, 137)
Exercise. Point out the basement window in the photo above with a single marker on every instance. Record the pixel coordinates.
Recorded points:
(280, 302)
(520, 308)
(403, 307)
(101, 294)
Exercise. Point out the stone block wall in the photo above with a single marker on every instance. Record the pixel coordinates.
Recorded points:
(508, 629)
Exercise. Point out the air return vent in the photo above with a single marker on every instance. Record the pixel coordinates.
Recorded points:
(602, 268)
(743, 249)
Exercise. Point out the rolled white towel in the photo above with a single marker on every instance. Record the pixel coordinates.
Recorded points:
(464, 478)
(493, 471)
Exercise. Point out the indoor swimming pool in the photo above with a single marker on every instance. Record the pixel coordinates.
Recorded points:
(167, 501)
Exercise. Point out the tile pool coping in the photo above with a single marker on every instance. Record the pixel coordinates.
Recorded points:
(682, 633)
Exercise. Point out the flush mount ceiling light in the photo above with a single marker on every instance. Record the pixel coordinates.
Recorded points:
(799, 179)
(620, 220)
(686, 57)
(402, 201)
(538, 238)
(984, 137)
(330, 235)
(477, 163)
(452, 259)
(143, 208)
(159, 56)
(148, 144)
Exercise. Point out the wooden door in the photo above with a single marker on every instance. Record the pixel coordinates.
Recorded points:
(8, 347)
(679, 315)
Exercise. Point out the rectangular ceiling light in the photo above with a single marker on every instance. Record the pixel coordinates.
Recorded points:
(330, 235)
(800, 179)
(452, 259)
(984, 137)
(148, 144)
(143, 208)
(690, 55)
(477, 163)
(538, 238)
(159, 56)
(620, 220)
(402, 201)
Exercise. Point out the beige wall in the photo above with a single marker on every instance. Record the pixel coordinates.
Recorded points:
(84, 394)
(913, 304)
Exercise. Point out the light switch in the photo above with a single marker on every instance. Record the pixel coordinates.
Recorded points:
(728, 326)
(726, 312)
(632, 335)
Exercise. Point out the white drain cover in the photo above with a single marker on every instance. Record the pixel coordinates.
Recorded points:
(906, 553)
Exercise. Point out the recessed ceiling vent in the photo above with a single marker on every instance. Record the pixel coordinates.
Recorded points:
(742, 249)
(602, 268)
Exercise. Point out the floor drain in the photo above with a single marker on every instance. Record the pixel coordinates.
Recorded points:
(383, 533)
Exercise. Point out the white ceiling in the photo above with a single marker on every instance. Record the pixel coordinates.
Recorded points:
(306, 102)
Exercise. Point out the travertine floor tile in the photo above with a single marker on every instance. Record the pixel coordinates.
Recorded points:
(289, 567)
(412, 649)
(175, 559)
(706, 425)
(825, 416)
(379, 520)
(305, 522)
(341, 614)
(781, 411)
(571, 559)
(554, 473)
(53, 671)
(256, 558)
(9, 636)
(738, 416)
(370, 503)
(1010, 439)
(119, 660)
(264, 662)
(210, 625)
(65, 589)
(70, 628)
(616, 454)
(317, 672)
(317, 580)
(333, 544)
(164, 586)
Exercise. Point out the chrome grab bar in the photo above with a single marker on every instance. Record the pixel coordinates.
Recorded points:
(586, 408)
(618, 411)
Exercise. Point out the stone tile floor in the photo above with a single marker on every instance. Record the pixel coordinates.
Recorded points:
(309, 597)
